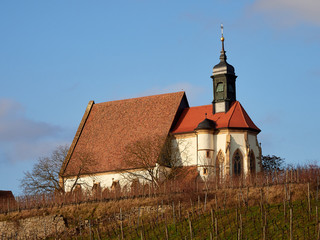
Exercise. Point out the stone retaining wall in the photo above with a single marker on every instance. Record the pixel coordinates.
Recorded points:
(32, 228)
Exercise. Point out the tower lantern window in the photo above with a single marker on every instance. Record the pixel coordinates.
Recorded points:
(220, 87)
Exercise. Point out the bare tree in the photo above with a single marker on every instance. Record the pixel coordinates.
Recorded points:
(85, 164)
(44, 176)
(154, 159)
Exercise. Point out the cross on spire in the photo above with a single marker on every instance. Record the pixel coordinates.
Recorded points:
(223, 56)
(221, 29)
(222, 38)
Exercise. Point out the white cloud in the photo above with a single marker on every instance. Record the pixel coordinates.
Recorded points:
(14, 126)
(9, 108)
(22, 138)
(24, 150)
(289, 12)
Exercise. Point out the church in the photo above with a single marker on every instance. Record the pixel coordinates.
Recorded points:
(216, 140)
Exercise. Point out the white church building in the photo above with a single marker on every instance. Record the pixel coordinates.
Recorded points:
(217, 139)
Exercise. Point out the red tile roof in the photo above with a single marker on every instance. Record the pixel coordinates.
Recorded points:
(107, 128)
(236, 117)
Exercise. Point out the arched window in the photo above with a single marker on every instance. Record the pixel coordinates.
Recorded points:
(219, 165)
(219, 91)
(237, 163)
(220, 87)
(252, 163)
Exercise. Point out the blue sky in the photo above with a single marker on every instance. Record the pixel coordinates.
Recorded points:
(55, 56)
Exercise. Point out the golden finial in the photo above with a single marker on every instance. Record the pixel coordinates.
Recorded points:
(222, 38)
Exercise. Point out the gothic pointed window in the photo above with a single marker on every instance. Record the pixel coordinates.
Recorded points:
(237, 163)
(252, 163)
(219, 165)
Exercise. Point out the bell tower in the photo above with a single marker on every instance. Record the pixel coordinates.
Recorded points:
(224, 82)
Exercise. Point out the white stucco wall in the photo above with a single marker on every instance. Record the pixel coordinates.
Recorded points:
(106, 179)
(237, 141)
(87, 182)
(219, 144)
(186, 146)
(203, 160)
(205, 141)
(253, 142)
(191, 150)
(205, 146)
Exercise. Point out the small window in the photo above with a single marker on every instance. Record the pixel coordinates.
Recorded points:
(205, 171)
(219, 87)
(208, 154)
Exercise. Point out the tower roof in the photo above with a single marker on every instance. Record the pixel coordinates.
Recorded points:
(223, 67)
(206, 124)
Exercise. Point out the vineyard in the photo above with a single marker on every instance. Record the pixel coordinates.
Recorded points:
(276, 221)
(282, 205)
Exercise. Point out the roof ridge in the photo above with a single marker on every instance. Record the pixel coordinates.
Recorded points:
(208, 105)
(155, 95)
(234, 109)
(242, 114)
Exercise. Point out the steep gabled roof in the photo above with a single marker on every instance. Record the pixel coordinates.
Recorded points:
(107, 128)
(6, 195)
(236, 117)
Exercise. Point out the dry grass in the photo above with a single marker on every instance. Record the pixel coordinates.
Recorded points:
(228, 197)
(272, 188)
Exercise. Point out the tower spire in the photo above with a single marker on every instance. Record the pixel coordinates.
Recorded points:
(223, 56)
(222, 38)
(224, 82)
